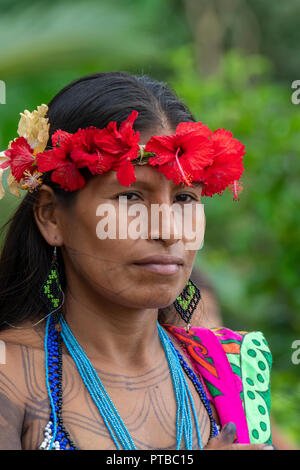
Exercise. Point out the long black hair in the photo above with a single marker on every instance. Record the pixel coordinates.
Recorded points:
(92, 100)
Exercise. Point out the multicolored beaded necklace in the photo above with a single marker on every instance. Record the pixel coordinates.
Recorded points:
(56, 436)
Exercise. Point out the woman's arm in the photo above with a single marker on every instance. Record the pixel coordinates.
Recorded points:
(12, 405)
(11, 418)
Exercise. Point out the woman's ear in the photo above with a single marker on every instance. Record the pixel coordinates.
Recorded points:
(47, 216)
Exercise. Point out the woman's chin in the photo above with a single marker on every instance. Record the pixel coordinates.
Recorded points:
(157, 301)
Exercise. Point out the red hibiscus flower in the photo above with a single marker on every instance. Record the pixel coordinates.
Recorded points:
(120, 146)
(227, 166)
(86, 153)
(59, 137)
(182, 156)
(56, 157)
(66, 172)
(68, 177)
(21, 158)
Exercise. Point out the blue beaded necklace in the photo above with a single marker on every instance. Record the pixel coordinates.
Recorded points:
(56, 437)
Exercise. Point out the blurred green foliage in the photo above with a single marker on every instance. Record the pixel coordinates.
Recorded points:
(279, 27)
(251, 251)
(285, 392)
(260, 232)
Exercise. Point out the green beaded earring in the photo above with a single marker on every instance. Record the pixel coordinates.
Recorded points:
(187, 301)
(51, 291)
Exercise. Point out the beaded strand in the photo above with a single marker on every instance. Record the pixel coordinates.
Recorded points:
(214, 428)
(56, 436)
(198, 386)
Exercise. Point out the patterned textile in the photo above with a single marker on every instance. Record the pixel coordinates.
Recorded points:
(235, 369)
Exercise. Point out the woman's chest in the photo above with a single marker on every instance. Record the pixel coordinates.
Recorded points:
(146, 404)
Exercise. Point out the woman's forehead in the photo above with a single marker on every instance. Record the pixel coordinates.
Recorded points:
(147, 134)
(147, 177)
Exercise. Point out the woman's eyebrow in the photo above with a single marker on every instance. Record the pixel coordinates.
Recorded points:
(144, 184)
(115, 185)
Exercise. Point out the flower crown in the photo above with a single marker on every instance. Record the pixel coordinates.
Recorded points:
(193, 154)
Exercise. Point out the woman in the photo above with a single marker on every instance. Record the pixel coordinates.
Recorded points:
(87, 365)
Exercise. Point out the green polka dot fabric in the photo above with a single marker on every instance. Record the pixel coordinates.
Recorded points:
(251, 360)
(235, 367)
(255, 363)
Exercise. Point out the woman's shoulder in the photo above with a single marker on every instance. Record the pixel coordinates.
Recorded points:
(247, 349)
(248, 353)
(243, 349)
(21, 378)
(21, 356)
(228, 338)
(23, 334)
(251, 340)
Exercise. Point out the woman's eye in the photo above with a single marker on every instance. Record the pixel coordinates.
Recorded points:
(128, 196)
(184, 197)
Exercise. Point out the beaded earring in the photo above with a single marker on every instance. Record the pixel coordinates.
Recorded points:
(51, 291)
(187, 301)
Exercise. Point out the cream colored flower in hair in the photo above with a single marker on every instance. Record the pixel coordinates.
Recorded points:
(35, 128)
(12, 183)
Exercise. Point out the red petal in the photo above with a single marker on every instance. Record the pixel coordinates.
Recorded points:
(164, 147)
(195, 127)
(113, 145)
(197, 150)
(126, 127)
(125, 173)
(60, 137)
(68, 177)
(83, 158)
(224, 171)
(5, 164)
(174, 172)
(21, 157)
(86, 139)
(227, 165)
(51, 159)
(95, 162)
(223, 140)
(107, 143)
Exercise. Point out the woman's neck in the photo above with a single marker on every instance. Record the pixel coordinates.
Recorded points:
(111, 334)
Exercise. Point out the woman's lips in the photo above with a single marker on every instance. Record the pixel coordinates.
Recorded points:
(160, 268)
(161, 264)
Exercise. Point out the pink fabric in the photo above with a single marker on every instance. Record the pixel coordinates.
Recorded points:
(210, 362)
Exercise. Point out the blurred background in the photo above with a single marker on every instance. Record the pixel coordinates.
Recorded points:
(233, 63)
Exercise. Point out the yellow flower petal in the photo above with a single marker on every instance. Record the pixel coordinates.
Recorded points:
(2, 192)
(34, 126)
(13, 184)
(3, 157)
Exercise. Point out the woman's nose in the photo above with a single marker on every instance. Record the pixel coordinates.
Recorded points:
(164, 225)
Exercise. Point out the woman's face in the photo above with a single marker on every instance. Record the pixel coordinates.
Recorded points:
(111, 267)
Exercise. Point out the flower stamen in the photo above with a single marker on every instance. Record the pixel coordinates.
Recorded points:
(31, 181)
(180, 169)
